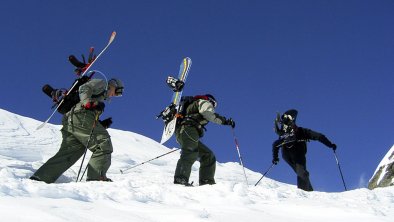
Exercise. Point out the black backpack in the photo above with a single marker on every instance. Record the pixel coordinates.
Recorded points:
(70, 100)
(184, 103)
(170, 112)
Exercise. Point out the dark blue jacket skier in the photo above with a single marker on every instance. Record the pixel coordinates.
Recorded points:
(293, 140)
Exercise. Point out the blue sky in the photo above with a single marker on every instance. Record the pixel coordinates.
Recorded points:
(331, 60)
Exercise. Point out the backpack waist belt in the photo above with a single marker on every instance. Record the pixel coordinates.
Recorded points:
(189, 121)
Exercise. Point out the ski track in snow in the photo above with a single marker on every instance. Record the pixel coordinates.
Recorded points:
(147, 194)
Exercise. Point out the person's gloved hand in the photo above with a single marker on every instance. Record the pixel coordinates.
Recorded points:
(94, 105)
(333, 146)
(106, 123)
(229, 122)
(275, 160)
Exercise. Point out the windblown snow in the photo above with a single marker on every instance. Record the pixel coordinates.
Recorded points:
(146, 193)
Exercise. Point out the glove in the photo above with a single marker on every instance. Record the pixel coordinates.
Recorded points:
(99, 106)
(275, 160)
(229, 122)
(333, 146)
(106, 123)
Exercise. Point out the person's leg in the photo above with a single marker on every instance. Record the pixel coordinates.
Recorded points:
(207, 165)
(87, 129)
(303, 181)
(297, 162)
(188, 138)
(100, 161)
(70, 151)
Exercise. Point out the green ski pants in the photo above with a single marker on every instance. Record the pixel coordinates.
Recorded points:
(192, 150)
(77, 128)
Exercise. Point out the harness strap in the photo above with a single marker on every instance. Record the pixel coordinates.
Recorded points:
(190, 121)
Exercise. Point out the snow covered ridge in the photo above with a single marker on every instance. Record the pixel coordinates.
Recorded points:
(384, 173)
(146, 193)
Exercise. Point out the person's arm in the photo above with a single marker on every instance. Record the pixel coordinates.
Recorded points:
(87, 90)
(312, 135)
(207, 110)
(275, 151)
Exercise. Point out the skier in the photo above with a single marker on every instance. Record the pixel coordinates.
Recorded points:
(82, 130)
(293, 140)
(190, 128)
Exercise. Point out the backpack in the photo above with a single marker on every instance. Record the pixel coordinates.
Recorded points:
(170, 112)
(184, 103)
(70, 100)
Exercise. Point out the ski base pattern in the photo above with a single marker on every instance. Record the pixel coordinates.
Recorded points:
(169, 125)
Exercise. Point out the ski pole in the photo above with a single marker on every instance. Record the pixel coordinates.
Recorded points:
(84, 171)
(86, 149)
(122, 171)
(340, 171)
(264, 174)
(239, 155)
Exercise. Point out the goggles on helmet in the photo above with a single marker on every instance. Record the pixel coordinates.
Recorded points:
(119, 91)
(118, 86)
(214, 103)
(287, 119)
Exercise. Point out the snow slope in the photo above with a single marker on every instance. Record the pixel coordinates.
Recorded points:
(146, 193)
(383, 175)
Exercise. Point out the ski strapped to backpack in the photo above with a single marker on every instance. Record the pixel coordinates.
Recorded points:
(82, 66)
(169, 113)
(82, 69)
(72, 97)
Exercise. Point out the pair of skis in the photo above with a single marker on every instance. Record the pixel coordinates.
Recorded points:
(76, 82)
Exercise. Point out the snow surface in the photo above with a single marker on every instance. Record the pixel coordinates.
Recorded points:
(146, 193)
(386, 161)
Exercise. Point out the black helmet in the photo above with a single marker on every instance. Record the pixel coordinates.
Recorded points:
(289, 117)
(212, 100)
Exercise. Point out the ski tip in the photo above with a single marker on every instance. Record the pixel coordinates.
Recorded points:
(44, 123)
(163, 140)
(188, 59)
(112, 36)
(40, 126)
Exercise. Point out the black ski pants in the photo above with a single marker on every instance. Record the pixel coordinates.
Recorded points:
(295, 157)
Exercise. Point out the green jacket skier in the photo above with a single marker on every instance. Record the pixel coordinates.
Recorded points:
(81, 130)
(188, 132)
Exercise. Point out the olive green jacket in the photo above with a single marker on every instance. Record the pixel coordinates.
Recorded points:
(93, 91)
(199, 113)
